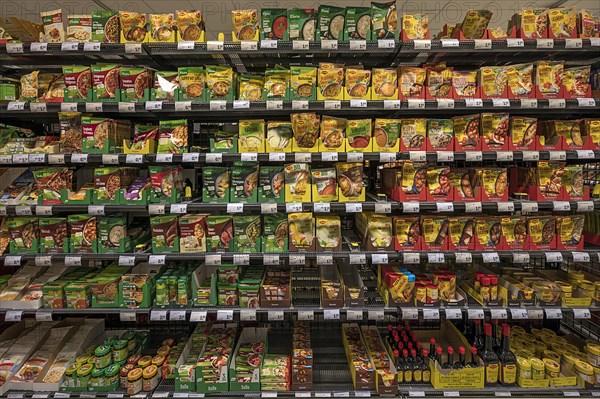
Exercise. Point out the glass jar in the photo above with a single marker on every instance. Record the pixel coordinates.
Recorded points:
(585, 371)
(119, 351)
(163, 350)
(103, 357)
(111, 375)
(70, 375)
(593, 354)
(538, 370)
(150, 376)
(83, 375)
(588, 288)
(158, 360)
(134, 381)
(97, 379)
(145, 361)
(83, 359)
(125, 369)
(552, 368)
(524, 368)
(133, 359)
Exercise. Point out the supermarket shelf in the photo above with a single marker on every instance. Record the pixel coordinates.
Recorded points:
(326, 207)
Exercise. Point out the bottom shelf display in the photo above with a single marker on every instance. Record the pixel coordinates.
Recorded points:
(74, 356)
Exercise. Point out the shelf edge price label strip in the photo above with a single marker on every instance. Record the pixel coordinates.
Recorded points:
(248, 314)
(198, 316)
(498, 314)
(306, 315)
(553, 313)
(331, 314)
(431, 314)
(354, 315)
(453, 313)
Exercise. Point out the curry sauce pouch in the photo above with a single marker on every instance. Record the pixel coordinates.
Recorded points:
(332, 134)
(384, 82)
(305, 127)
(245, 25)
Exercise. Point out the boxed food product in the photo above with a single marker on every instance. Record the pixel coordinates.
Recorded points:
(434, 230)
(412, 82)
(165, 233)
(305, 127)
(494, 130)
(216, 182)
(29, 86)
(54, 31)
(173, 137)
(78, 83)
(50, 181)
(520, 80)
(562, 23)
(328, 233)
(384, 21)
(112, 235)
(533, 23)
(105, 82)
(357, 23)
(439, 81)
(412, 134)
(275, 233)
(190, 25)
(106, 27)
(244, 183)
(548, 78)
(166, 86)
(276, 83)
(70, 132)
(245, 25)
(303, 82)
(461, 230)
(572, 181)
(192, 233)
(332, 134)
(79, 28)
(576, 81)
(465, 185)
(407, 233)
(385, 84)
(137, 191)
(475, 24)
(331, 23)
(568, 130)
(324, 185)
(24, 234)
(303, 23)
(357, 83)
(465, 83)
(107, 181)
(103, 135)
(302, 232)
(192, 81)
(83, 233)
(361, 366)
(514, 232)
(358, 135)
(570, 232)
(279, 136)
(440, 135)
(144, 139)
(54, 234)
(271, 181)
(51, 87)
(542, 232)
(330, 81)
(135, 84)
(162, 28)
(523, 131)
(219, 233)
(495, 183)
(133, 27)
(386, 135)
(247, 232)
(350, 181)
(274, 24)
(489, 233)
(251, 135)
(297, 183)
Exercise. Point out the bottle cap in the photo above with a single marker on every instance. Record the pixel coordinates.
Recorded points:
(432, 341)
(474, 350)
(396, 353)
(413, 352)
(506, 330)
(425, 352)
(450, 350)
(485, 280)
(487, 329)
(495, 321)
(404, 352)
(462, 350)
(389, 327)
(494, 280)
(439, 350)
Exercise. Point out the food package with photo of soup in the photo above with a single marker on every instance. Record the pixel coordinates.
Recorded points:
(434, 230)
(358, 135)
(274, 24)
(570, 130)
(251, 135)
(385, 84)
(493, 81)
(224, 141)
(331, 23)
(467, 132)
(78, 83)
(533, 23)
(271, 182)
(219, 230)
(412, 81)
(475, 24)
(520, 79)
(54, 233)
(438, 183)
(305, 127)
(489, 232)
(244, 182)
(562, 22)
(577, 81)
(134, 27)
(439, 80)
(162, 28)
(329, 233)
(573, 181)
(350, 181)
(461, 232)
(166, 181)
(303, 23)
(106, 82)
(303, 82)
(108, 180)
(83, 229)
(407, 231)
(216, 181)
(79, 28)
(135, 84)
(247, 232)
(50, 181)
(144, 136)
(192, 81)
(324, 185)
(440, 133)
(219, 82)
(190, 26)
(330, 80)
(522, 132)
(386, 135)
(250, 87)
(494, 130)
(384, 21)
(464, 182)
(332, 134)
(357, 83)
(357, 23)
(548, 78)
(166, 86)
(542, 230)
(570, 231)
(413, 133)
(112, 235)
(494, 182)
(24, 234)
(302, 231)
(192, 233)
(173, 137)
(415, 26)
(106, 27)
(245, 25)
(279, 136)
(514, 231)
(275, 233)
(276, 83)
(165, 233)
(465, 83)
(54, 31)
(297, 183)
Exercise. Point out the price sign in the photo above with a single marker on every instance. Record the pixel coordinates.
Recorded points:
(558, 155)
(72, 260)
(274, 105)
(241, 104)
(181, 106)
(473, 207)
(164, 158)
(379, 259)
(353, 207)
(332, 104)
(529, 207)
(585, 154)
(383, 207)
(249, 157)
(531, 155)
(417, 156)
(268, 208)
(358, 45)
(179, 208)
(213, 45)
(69, 46)
(185, 45)
(13, 315)
(490, 257)
(235, 208)
(218, 105)
(506, 206)
(521, 258)
(581, 257)
(529, 103)
(357, 259)
(463, 257)
(301, 394)
(329, 44)
(37, 47)
(156, 209)
(473, 102)
(300, 104)
(518, 313)
(133, 48)
(306, 315)
(358, 103)
(68, 107)
(504, 156)
(43, 261)
(157, 259)
(453, 314)
(573, 43)
(582, 313)
(387, 157)
(562, 206)
(324, 260)
(127, 316)
(322, 394)
(436, 257)
(475, 314)
(502, 393)
(535, 314)
(271, 259)
(415, 103)
(302, 157)
(93, 107)
(20, 158)
(585, 206)
(15, 106)
(553, 313)
(448, 43)
(557, 103)
(134, 158)
(586, 102)
(410, 314)
(241, 259)
(422, 44)
(431, 314)
(198, 316)
(38, 107)
(277, 157)
(595, 42)
(411, 258)
(126, 260)
(473, 156)
(23, 210)
(445, 103)
(110, 159)
(212, 259)
(159, 315)
(362, 394)
(483, 44)
(331, 314)
(571, 393)
(391, 104)
(153, 105)
(515, 42)
(293, 207)
(444, 206)
(329, 156)
(553, 257)
(410, 207)
(341, 394)
(445, 156)
(43, 315)
(275, 315)
(451, 394)
(190, 157)
(225, 315)
(322, 207)
(354, 315)
(126, 107)
(301, 45)
(297, 259)
(92, 46)
(11, 260)
(377, 315)
(177, 315)
(248, 314)
(247, 45)
(544, 43)
(386, 43)
(214, 158)
(62, 395)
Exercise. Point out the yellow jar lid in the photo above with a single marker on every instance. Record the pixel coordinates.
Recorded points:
(517, 330)
(551, 365)
(563, 285)
(569, 358)
(548, 331)
(576, 274)
(536, 363)
(587, 285)
(150, 371)
(84, 370)
(594, 349)
(571, 348)
(551, 355)
(523, 363)
(540, 346)
(134, 374)
(584, 367)
(526, 353)
(145, 361)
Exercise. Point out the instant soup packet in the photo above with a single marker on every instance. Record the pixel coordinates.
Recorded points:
(302, 231)
(162, 28)
(191, 83)
(303, 83)
(386, 135)
(79, 28)
(216, 183)
(357, 83)
(245, 25)
(384, 21)
(384, 82)
(303, 24)
(306, 132)
(190, 25)
(297, 183)
(274, 24)
(251, 135)
(350, 181)
(324, 185)
(332, 134)
(330, 80)
(358, 135)
(279, 136)
(54, 31)
(173, 137)
(250, 87)
(106, 82)
(357, 23)
(276, 83)
(219, 82)
(275, 233)
(133, 27)
(331, 23)
(106, 27)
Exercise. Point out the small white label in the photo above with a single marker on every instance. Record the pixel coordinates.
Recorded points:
(218, 105)
(3, 210)
(13, 315)
(353, 207)
(68, 107)
(417, 156)
(72, 260)
(268, 208)
(379, 259)
(387, 157)
(43, 261)
(354, 315)
(453, 314)
(69, 46)
(164, 158)
(275, 315)
(535, 314)
(302, 157)
(156, 209)
(158, 315)
(248, 314)
(214, 158)
(357, 259)
(332, 104)
(14, 48)
(358, 44)
(62, 395)
(444, 206)
(43, 210)
(297, 259)
(553, 257)
(585, 206)
(93, 107)
(473, 102)
(391, 104)
(581, 257)
(474, 314)
(199, 316)
(473, 207)
(562, 206)
(134, 158)
(483, 44)
(301, 394)
(386, 43)
(451, 394)
(473, 156)
(553, 313)
(410, 314)
(299, 104)
(586, 102)
(322, 207)
(431, 314)
(515, 42)
(300, 45)
(92, 46)
(362, 394)
(277, 157)
(213, 45)
(490, 257)
(126, 107)
(322, 394)
(274, 104)
(529, 207)
(329, 156)
(185, 45)
(341, 394)
(179, 208)
(110, 159)
(181, 106)
(23, 210)
(595, 42)
(157, 259)
(463, 257)
(293, 207)
(15, 106)
(325, 260)
(43, 395)
(415, 103)
(37, 47)
(96, 210)
(445, 156)
(557, 103)
(585, 154)
(235, 208)
(190, 157)
(241, 259)
(248, 45)
(518, 313)
(521, 257)
(377, 315)
(127, 316)
(268, 44)
(153, 105)
(416, 394)
(241, 104)
(502, 393)
(422, 44)
(329, 44)
(571, 393)
(411, 258)
(225, 315)
(450, 43)
(79, 158)
(410, 207)
(506, 206)
(500, 102)
(358, 103)
(177, 315)
(133, 48)
(529, 103)
(582, 313)
(445, 103)
(558, 155)
(126, 260)
(383, 207)
(331, 314)
(271, 259)
(531, 155)
(212, 259)
(6, 159)
(573, 43)
(20, 158)
(38, 107)
(544, 43)
(436, 257)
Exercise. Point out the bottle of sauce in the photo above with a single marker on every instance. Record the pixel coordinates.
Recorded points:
(489, 357)
(508, 360)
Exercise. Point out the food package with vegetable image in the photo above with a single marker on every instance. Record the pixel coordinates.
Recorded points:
(357, 84)
(191, 83)
(167, 182)
(190, 26)
(106, 82)
(244, 367)
(438, 184)
(106, 27)
(494, 131)
(165, 233)
(305, 127)
(277, 81)
(162, 28)
(434, 230)
(520, 80)
(358, 135)
(216, 182)
(297, 183)
(251, 135)
(474, 25)
(357, 23)
(439, 81)
(467, 133)
(54, 234)
(247, 232)
(275, 233)
(303, 24)
(250, 87)
(548, 78)
(79, 28)
(493, 81)
(569, 130)
(219, 234)
(331, 23)
(384, 21)
(412, 82)
(24, 234)
(440, 135)
(523, 131)
(173, 137)
(415, 27)
(78, 83)
(329, 233)
(50, 181)
(324, 185)
(576, 81)
(54, 31)
(532, 23)
(166, 86)
(542, 232)
(279, 136)
(407, 233)
(302, 232)
(103, 135)
(330, 80)
(133, 27)
(375, 231)
(386, 135)
(384, 82)
(562, 23)
(245, 25)
(109, 180)
(350, 181)
(112, 235)
(332, 134)
(461, 230)
(271, 182)
(464, 83)
(303, 82)
(244, 182)
(192, 233)
(514, 232)
(274, 24)
(144, 139)
(495, 184)
(70, 132)
(413, 133)
(464, 184)
(135, 84)
(83, 232)
(570, 232)
(489, 233)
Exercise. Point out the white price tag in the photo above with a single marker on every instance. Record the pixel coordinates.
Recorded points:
(518, 313)
(358, 44)
(415, 103)
(218, 105)
(571, 393)
(301, 394)
(329, 44)
(582, 313)
(15, 106)
(473, 156)
(463, 257)
(299, 104)
(331, 314)
(562, 206)
(157, 259)
(277, 157)
(354, 315)
(444, 206)
(191, 157)
(185, 45)
(6, 159)
(451, 394)
(586, 102)
(325, 260)
(483, 44)
(329, 156)
(126, 260)
(213, 45)
(585, 206)
(153, 105)
(297, 259)
(362, 394)
(473, 102)
(431, 314)
(453, 314)
(241, 259)
(62, 395)
(353, 207)
(544, 43)
(177, 315)
(248, 314)
(332, 104)
(127, 316)
(92, 46)
(126, 107)
(473, 207)
(585, 154)
(502, 393)
(411, 258)
(581, 257)
(156, 209)
(225, 315)
(322, 394)
(43, 261)
(410, 314)
(410, 207)
(241, 104)
(3, 210)
(529, 103)
(557, 103)
(383, 207)
(214, 158)
(37, 47)
(535, 314)
(302, 157)
(199, 316)
(553, 313)
(573, 43)
(268, 44)
(450, 43)
(445, 103)
(322, 207)
(500, 102)
(13, 315)
(422, 44)
(387, 157)
(181, 106)
(247, 45)
(358, 103)
(475, 314)
(164, 158)
(20, 158)
(341, 394)
(68, 107)
(377, 315)
(300, 45)
(357, 259)
(235, 208)
(521, 258)
(23, 210)
(69, 46)
(96, 210)
(308, 315)
(179, 208)
(158, 315)
(271, 259)
(212, 259)
(594, 42)
(134, 158)
(133, 48)
(38, 107)
(391, 104)
(529, 207)
(379, 259)
(531, 155)
(490, 257)
(557, 155)
(42, 395)
(436, 257)
(445, 156)
(386, 43)
(417, 156)
(553, 257)
(72, 260)
(268, 208)
(506, 206)
(293, 207)
(110, 159)
(93, 107)
(515, 42)
(274, 104)
(275, 315)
